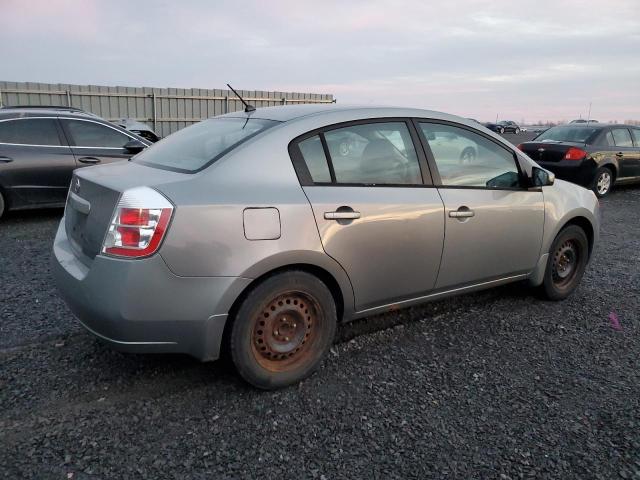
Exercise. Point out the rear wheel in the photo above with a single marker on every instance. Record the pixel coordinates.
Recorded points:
(468, 156)
(517, 131)
(603, 182)
(283, 330)
(567, 261)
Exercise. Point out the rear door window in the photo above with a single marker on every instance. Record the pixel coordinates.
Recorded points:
(93, 134)
(30, 131)
(636, 136)
(622, 137)
(376, 153)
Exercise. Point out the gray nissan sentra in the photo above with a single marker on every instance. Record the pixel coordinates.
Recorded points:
(256, 233)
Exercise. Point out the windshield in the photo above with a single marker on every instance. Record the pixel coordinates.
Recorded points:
(567, 134)
(196, 147)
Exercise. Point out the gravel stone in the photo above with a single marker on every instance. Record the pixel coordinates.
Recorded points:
(497, 384)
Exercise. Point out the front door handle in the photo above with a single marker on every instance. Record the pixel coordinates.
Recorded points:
(619, 154)
(89, 160)
(344, 215)
(5, 159)
(462, 212)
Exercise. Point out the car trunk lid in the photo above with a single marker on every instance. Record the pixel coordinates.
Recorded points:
(548, 151)
(93, 196)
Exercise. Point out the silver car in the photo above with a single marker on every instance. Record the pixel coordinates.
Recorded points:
(256, 233)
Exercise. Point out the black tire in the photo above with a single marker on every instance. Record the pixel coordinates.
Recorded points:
(568, 257)
(517, 131)
(501, 131)
(2, 204)
(468, 156)
(283, 330)
(603, 181)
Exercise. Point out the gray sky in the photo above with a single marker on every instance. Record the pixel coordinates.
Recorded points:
(544, 59)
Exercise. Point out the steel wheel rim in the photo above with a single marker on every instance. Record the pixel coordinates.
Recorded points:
(604, 183)
(285, 332)
(565, 263)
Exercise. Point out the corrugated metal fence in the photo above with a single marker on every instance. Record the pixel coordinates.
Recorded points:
(164, 109)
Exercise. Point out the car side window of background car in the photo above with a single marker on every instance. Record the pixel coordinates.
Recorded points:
(92, 134)
(636, 136)
(466, 159)
(30, 131)
(315, 159)
(622, 137)
(608, 139)
(374, 153)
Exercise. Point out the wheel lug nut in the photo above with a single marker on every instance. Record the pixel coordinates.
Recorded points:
(286, 339)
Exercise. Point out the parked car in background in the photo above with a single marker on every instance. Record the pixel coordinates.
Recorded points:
(41, 146)
(504, 126)
(257, 233)
(595, 156)
(139, 128)
(582, 120)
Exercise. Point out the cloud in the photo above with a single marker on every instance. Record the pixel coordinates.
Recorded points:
(540, 59)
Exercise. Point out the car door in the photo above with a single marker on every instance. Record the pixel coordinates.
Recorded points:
(625, 152)
(35, 161)
(376, 216)
(636, 152)
(493, 225)
(94, 142)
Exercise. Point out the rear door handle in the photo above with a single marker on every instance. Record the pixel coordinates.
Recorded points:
(89, 160)
(341, 215)
(6, 159)
(619, 154)
(462, 212)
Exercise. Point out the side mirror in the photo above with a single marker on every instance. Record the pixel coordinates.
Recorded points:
(134, 146)
(541, 177)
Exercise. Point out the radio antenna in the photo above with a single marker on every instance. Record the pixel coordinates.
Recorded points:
(247, 108)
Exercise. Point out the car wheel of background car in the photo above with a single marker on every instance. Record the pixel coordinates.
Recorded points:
(517, 131)
(501, 131)
(1, 205)
(603, 181)
(467, 156)
(283, 330)
(567, 261)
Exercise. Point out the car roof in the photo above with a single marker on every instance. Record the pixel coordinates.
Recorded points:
(286, 113)
(597, 125)
(38, 111)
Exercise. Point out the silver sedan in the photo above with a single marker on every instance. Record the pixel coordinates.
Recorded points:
(256, 233)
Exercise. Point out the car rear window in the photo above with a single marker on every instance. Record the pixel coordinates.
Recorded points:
(196, 147)
(568, 134)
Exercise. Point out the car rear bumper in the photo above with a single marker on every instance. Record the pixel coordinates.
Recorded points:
(140, 306)
(579, 172)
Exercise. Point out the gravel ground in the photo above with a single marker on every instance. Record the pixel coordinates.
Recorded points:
(497, 384)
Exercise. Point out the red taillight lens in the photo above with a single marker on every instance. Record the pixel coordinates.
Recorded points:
(519, 147)
(134, 231)
(575, 154)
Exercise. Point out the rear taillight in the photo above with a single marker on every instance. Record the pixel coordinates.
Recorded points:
(138, 224)
(575, 154)
(519, 147)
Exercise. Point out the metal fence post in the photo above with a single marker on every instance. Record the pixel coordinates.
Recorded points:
(153, 110)
(284, 100)
(68, 98)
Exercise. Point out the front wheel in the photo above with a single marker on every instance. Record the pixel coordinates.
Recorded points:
(501, 131)
(567, 261)
(283, 330)
(603, 182)
(517, 131)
